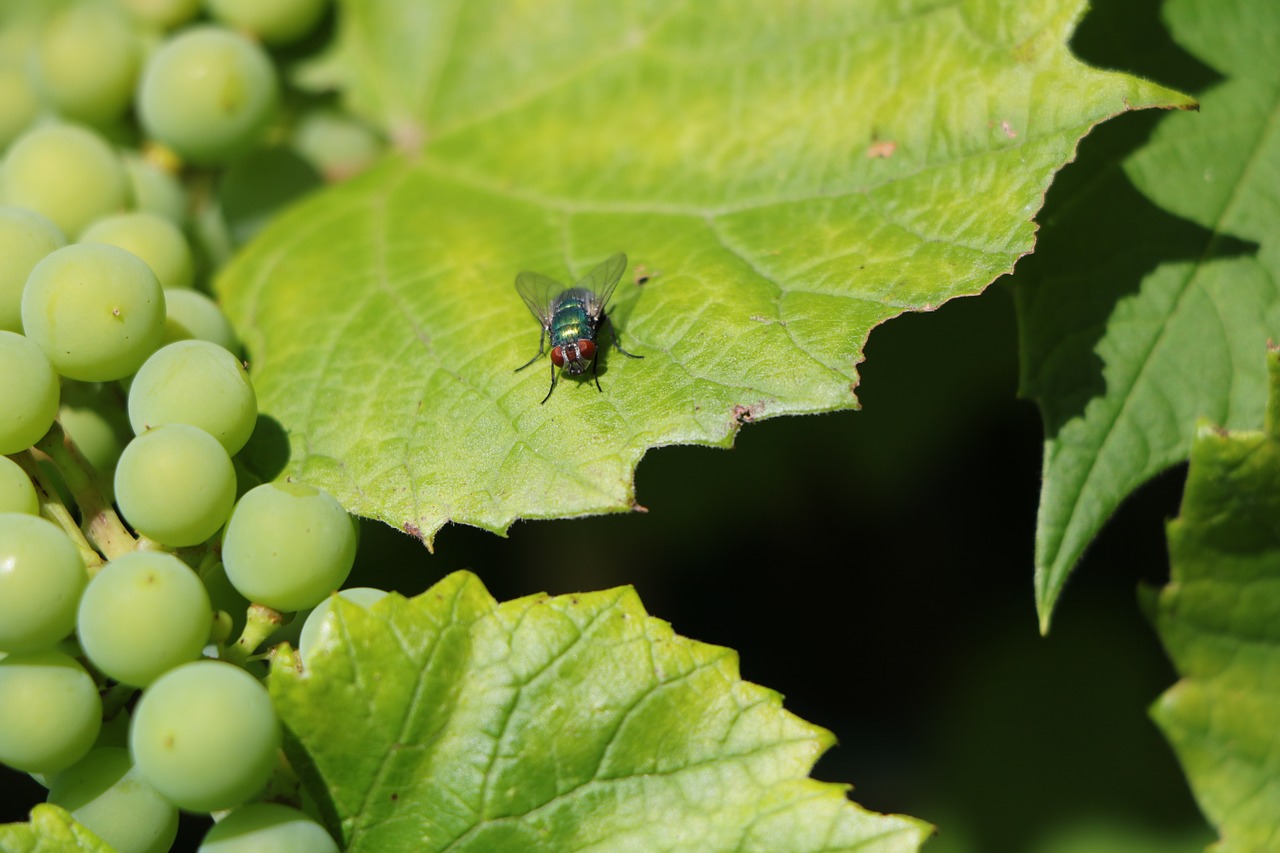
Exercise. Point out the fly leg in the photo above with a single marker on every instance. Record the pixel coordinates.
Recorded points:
(595, 370)
(543, 335)
(553, 383)
(617, 342)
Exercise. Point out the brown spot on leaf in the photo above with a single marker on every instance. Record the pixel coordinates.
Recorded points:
(881, 149)
(746, 414)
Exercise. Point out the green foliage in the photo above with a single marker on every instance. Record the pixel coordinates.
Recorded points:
(796, 180)
(1154, 288)
(553, 723)
(1217, 618)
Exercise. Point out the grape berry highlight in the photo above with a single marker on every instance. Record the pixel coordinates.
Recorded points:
(143, 568)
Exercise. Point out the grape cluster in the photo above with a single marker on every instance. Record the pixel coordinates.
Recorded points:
(142, 565)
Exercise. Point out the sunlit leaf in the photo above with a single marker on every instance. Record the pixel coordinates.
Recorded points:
(449, 721)
(786, 176)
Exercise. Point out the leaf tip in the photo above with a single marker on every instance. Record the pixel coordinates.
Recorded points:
(1046, 597)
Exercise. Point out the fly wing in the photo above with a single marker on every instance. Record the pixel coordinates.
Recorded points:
(601, 281)
(538, 291)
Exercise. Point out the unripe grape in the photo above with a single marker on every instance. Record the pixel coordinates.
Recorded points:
(88, 59)
(337, 145)
(92, 415)
(41, 579)
(19, 103)
(267, 826)
(97, 311)
(104, 792)
(50, 712)
(143, 614)
(155, 190)
(31, 393)
(161, 14)
(205, 736)
(66, 172)
(175, 484)
(192, 315)
(288, 545)
(316, 629)
(151, 237)
(26, 237)
(197, 383)
(279, 22)
(17, 494)
(208, 93)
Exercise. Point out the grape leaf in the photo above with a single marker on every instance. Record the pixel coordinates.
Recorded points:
(449, 721)
(1154, 288)
(788, 176)
(1218, 620)
(51, 829)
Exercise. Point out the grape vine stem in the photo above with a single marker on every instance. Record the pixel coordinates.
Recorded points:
(52, 508)
(101, 526)
(260, 622)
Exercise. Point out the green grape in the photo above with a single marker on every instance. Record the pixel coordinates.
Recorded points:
(280, 22)
(205, 736)
(93, 415)
(19, 103)
(151, 237)
(143, 614)
(208, 93)
(156, 190)
(317, 630)
(66, 172)
(104, 792)
(161, 14)
(50, 712)
(287, 545)
(30, 393)
(41, 579)
(262, 827)
(114, 732)
(25, 238)
(88, 62)
(337, 145)
(192, 315)
(97, 311)
(175, 484)
(17, 494)
(197, 383)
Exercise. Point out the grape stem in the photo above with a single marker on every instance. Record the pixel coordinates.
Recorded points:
(52, 508)
(101, 526)
(261, 622)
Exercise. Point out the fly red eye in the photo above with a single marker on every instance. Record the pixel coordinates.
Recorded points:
(557, 356)
(586, 349)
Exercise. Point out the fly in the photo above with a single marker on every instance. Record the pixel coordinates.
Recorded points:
(571, 317)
